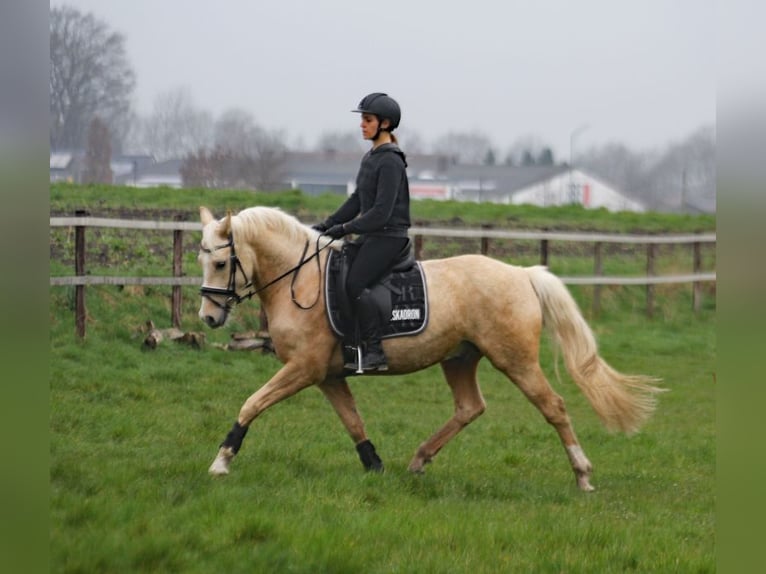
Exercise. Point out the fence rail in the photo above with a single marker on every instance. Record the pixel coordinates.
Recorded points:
(82, 221)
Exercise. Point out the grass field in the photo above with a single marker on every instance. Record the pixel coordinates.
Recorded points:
(132, 433)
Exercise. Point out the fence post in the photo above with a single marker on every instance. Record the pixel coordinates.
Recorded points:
(178, 243)
(544, 252)
(418, 247)
(598, 271)
(485, 241)
(80, 313)
(697, 286)
(650, 248)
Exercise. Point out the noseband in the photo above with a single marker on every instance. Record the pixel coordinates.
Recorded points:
(231, 294)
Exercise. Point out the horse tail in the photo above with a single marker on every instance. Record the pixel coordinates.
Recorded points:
(622, 402)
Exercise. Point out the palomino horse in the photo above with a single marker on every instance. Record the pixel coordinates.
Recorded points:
(479, 307)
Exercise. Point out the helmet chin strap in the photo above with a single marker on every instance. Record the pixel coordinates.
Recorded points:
(377, 133)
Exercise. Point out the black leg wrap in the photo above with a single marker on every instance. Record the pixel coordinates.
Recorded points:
(369, 457)
(233, 440)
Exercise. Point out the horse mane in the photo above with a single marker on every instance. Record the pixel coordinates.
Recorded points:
(255, 219)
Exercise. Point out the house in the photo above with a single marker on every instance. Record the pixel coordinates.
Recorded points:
(540, 185)
(433, 177)
(67, 165)
(126, 168)
(164, 173)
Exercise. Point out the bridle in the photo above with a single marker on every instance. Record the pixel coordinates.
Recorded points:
(232, 296)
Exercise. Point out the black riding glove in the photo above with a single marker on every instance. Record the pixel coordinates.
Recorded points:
(336, 231)
(320, 227)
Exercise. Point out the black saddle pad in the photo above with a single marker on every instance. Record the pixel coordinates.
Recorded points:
(408, 299)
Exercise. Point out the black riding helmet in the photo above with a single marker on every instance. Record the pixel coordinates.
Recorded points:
(383, 106)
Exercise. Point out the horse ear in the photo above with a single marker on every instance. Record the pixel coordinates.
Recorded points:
(224, 228)
(205, 215)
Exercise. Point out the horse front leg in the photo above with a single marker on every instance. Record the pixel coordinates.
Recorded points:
(340, 397)
(286, 382)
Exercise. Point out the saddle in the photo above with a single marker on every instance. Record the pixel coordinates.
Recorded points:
(400, 298)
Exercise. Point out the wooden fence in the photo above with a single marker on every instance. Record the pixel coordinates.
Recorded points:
(82, 221)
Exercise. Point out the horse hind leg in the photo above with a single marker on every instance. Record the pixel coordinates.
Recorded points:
(536, 388)
(460, 373)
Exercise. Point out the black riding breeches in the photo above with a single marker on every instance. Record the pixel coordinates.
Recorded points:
(375, 257)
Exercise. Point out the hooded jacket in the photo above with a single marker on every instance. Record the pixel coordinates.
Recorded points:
(381, 198)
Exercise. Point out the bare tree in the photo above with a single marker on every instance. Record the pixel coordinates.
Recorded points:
(411, 141)
(259, 155)
(234, 130)
(621, 166)
(270, 157)
(98, 154)
(176, 127)
(680, 177)
(341, 142)
(244, 156)
(89, 75)
(685, 174)
(214, 169)
(464, 147)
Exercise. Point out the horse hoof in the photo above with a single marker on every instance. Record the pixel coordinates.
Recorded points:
(220, 467)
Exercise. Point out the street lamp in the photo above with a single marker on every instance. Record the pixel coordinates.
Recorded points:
(574, 133)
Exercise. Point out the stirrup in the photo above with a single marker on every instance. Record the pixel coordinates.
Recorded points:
(361, 366)
(356, 365)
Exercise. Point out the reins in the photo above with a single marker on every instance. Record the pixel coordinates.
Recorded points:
(233, 297)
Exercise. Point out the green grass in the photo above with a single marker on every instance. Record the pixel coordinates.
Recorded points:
(102, 200)
(132, 433)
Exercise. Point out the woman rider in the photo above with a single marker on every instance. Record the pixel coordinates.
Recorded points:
(378, 212)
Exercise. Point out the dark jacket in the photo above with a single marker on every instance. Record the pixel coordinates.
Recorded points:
(382, 196)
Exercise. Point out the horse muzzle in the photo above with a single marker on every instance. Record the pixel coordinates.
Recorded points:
(212, 312)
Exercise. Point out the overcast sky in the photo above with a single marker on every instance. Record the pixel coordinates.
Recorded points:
(638, 72)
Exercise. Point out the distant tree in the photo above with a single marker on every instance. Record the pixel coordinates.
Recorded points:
(527, 159)
(98, 154)
(245, 156)
(545, 157)
(686, 172)
(197, 170)
(622, 167)
(671, 179)
(464, 147)
(340, 142)
(489, 159)
(527, 150)
(411, 141)
(269, 158)
(89, 75)
(258, 155)
(176, 127)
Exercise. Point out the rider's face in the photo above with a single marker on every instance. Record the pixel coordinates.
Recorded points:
(369, 125)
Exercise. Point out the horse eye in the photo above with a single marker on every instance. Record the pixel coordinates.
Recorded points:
(220, 264)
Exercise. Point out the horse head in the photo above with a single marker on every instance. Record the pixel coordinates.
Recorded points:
(221, 281)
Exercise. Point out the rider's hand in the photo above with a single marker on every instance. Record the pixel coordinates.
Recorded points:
(336, 231)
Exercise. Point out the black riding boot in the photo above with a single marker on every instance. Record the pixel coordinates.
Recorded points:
(370, 326)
